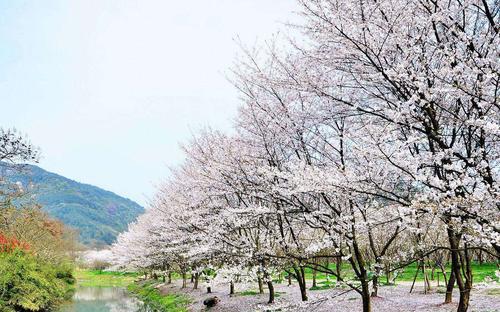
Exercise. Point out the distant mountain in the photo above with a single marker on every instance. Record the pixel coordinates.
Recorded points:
(97, 214)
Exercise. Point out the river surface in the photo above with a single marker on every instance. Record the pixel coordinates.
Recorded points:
(103, 299)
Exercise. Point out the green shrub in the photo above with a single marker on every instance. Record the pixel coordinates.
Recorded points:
(28, 283)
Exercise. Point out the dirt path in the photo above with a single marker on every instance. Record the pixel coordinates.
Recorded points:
(392, 299)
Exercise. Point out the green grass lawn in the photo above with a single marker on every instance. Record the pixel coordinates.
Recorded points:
(325, 284)
(277, 294)
(96, 278)
(480, 272)
(248, 293)
(152, 297)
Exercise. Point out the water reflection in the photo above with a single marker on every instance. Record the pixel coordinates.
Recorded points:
(95, 299)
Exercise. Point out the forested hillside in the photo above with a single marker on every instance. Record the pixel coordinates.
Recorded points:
(97, 214)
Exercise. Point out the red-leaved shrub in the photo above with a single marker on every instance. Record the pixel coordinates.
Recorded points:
(9, 244)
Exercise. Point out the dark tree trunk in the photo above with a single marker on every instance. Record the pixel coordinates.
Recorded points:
(327, 265)
(196, 280)
(231, 288)
(427, 282)
(376, 277)
(449, 288)
(269, 282)
(209, 290)
(365, 282)
(300, 276)
(261, 284)
(289, 279)
(461, 264)
(443, 271)
(184, 280)
(303, 291)
(357, 260)
(192, 278)
(415, 277)
(387, 274)
(170, 277)
(463, 303)
(365, 290)
(375, 286)
(270, 286)
(314, 272)
(338, 267)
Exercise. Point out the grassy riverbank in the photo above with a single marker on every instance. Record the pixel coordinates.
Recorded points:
(153, 297)
(98, 278)
(145, 291)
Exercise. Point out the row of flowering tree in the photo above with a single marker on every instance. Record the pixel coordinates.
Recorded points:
(372, 139)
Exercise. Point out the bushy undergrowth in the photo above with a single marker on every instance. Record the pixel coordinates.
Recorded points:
(29, 283)
(158, 302)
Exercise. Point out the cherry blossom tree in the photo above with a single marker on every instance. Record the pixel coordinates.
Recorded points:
(427, 73)
(373, 140)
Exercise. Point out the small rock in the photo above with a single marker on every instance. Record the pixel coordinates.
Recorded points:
(211, 301)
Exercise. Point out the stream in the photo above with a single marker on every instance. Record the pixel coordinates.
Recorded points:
(103, 299)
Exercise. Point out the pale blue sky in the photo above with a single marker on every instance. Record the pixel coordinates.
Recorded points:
(108, 89)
